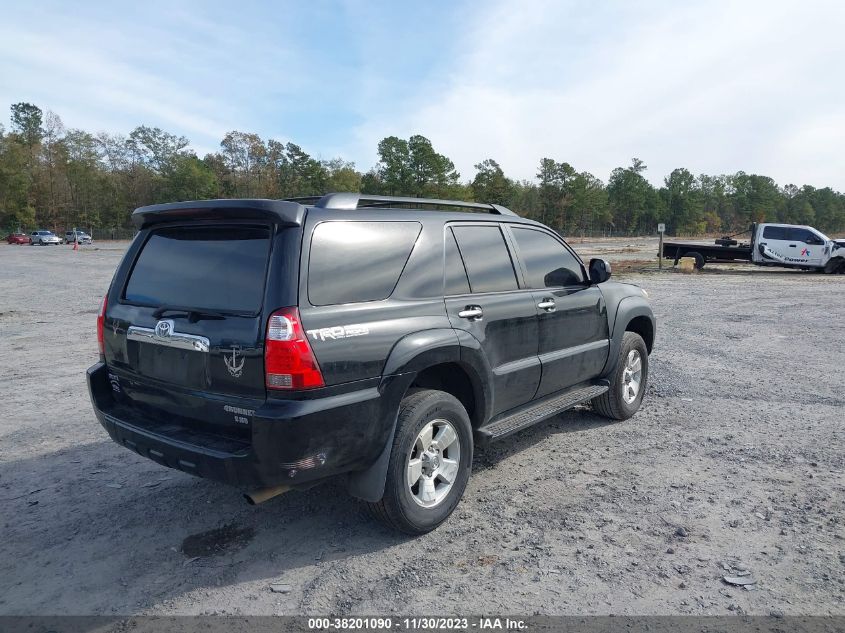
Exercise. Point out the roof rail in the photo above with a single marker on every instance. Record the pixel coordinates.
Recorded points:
(361, 200)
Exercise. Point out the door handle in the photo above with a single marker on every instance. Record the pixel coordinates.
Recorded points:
(547, 304)
(793, 245)
(473, 313)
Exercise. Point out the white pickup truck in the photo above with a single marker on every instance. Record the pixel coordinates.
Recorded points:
(786, 245)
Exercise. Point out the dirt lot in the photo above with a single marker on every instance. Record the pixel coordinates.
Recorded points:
(735, 462)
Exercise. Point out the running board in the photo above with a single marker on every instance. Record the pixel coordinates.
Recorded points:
(537, 412)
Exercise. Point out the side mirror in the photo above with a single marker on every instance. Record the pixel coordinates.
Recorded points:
(599, 271)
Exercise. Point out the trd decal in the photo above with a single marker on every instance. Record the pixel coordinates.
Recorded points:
(338, 332)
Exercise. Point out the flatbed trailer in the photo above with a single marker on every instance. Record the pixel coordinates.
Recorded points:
(710, 252)
(703, 253)
(783, 245)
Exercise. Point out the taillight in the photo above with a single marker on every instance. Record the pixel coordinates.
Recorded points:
(289, 362)
(101, 319)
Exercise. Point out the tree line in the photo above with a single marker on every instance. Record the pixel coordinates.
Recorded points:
(54, 177)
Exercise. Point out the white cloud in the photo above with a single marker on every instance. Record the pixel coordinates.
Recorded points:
(712, 86)
(173, 67)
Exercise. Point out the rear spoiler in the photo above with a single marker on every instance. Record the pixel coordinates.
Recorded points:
(278, 211)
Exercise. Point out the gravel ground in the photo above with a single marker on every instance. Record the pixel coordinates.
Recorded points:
(733, 466)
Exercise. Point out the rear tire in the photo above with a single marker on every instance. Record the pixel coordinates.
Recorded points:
(627, 384)
(432, 445)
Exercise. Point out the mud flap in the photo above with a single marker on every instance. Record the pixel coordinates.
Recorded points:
(368, 484)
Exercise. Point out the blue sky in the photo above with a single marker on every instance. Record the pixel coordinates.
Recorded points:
(711, 86)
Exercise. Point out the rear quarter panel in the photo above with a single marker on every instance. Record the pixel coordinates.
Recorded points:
(352, 341)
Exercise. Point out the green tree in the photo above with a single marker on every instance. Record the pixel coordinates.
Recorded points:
(15, 210)
(155, 148)
(26, 122)
(632, 199)
(394, 169)
(54, 178)
(490, 183)
(412, 168)
(555, 192)
(684, 203)
(432, 174)
(341, 175)
(589, 203)
(189, 179)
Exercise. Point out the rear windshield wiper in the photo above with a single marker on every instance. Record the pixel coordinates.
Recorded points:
(194, 314)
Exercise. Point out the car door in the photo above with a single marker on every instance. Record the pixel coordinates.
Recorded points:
(483, 298)
(572, 313)
(776, 240)
(808, 246)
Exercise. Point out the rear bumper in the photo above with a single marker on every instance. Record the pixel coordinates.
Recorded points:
(292, 442)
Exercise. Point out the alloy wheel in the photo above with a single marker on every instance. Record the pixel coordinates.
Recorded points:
(434, 463)
(632, 376)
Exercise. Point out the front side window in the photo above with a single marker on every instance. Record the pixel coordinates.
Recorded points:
(804, 235)
(548, 263)
(485, 254)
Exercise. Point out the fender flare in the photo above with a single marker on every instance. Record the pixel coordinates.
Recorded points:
(410, 355)
(627, 310)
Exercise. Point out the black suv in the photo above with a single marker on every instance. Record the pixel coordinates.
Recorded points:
(271, 344)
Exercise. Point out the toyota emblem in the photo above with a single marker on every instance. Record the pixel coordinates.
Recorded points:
(164, 328)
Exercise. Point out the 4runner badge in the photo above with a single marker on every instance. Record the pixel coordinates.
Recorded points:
(234, 362)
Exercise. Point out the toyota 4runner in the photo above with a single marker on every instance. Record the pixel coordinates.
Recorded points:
(271, 344)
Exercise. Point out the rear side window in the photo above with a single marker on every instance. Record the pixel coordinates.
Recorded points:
(456, 275)
(352, 262)
(547, 262)
(485, 254)
(219, 268)
(775, 233)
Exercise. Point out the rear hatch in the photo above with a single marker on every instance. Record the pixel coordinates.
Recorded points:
(184, 327)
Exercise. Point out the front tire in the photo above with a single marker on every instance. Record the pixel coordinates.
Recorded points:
(430, 463)
(835, 265)
(628, 381)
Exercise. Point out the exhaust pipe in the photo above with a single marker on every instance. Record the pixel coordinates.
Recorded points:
(260, 496)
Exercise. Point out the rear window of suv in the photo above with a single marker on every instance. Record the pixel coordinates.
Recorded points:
(213, 268)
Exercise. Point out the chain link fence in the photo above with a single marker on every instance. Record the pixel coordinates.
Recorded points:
(116, 233)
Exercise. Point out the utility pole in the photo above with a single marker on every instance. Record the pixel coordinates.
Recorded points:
(661, 229)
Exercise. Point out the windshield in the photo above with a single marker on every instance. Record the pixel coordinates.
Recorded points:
(212, 268)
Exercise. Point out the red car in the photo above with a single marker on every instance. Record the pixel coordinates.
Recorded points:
(17, 238)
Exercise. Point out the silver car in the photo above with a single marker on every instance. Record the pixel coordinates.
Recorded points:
(42, 238)
(77, 236)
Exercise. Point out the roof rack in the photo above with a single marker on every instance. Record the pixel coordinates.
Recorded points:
(360, 200)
